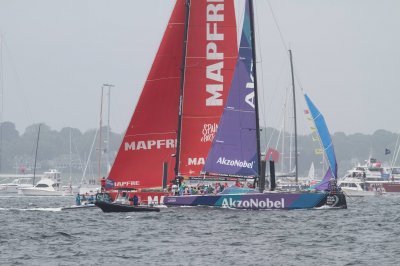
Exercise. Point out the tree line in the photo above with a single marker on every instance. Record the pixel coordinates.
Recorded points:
(68, 149)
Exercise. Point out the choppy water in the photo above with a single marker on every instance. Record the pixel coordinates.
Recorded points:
(34, 231)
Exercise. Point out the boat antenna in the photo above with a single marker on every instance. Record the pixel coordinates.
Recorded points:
(182, 84)
(37, 147)
(254, 70)
(295, 119)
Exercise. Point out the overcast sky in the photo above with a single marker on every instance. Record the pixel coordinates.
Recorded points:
(56, 54)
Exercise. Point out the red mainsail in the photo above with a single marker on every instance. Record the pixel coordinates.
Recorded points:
(210, 62)
(150, 138)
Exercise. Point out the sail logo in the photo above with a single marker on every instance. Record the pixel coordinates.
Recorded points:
(154, 200)
(250, 98)
(214, 57)
(208, 132)
(126, 183)
(237, 163)
(332, 200)
(150, 144)
(253, 203)
(196, 161)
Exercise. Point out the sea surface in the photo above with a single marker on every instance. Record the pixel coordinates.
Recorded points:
(35, 231)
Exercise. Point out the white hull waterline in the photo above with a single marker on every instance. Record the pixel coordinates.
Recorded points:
(16, 183)
(49, 185)
(356, 187)
(43, 192)
(12, 188)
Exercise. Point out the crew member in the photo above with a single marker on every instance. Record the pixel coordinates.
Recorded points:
(103, 183)
(78, 200)
(135, 200)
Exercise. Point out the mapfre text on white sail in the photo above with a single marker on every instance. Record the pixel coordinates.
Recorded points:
(214, 57)
(150, 144)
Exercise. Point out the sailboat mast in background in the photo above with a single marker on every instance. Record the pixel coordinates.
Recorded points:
(182, 84)
(295, 119)
(100, 131)
(37, 147)
(107, 141)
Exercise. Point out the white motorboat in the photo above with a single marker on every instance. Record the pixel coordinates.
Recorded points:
(359, 188)
(15, 184)
(373, 170)
(48, 185)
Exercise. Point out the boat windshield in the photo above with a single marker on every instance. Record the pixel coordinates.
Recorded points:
(395, 171)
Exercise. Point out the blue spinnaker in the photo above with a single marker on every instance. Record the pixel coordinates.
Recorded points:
(326, 142)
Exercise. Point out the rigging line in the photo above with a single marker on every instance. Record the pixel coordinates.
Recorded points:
(298, 81)
(297, 77)
(282, 114)
(260, 56)
(282, 127)
(20, 89)
(275, 91)
(396, 151)
(78, 155)
(277, 26)
(283, 41)
(88, 162)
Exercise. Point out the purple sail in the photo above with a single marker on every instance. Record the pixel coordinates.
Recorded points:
(324, 184)
(234, 148)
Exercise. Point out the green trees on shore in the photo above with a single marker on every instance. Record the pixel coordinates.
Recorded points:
(69, 148)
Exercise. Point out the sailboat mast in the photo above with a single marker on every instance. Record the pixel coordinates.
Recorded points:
(295, 119)
(182, 84)
(107, 149)
(37, 147)
(253, 44)
(100, 130)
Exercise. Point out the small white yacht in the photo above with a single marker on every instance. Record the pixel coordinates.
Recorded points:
(15, 184)
(48, 185)
(357, 187)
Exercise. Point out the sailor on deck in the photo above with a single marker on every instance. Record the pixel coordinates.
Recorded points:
(78, 200)
(135, 200)
(103, 183)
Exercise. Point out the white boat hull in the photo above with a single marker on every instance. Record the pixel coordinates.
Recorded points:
(12, 189)
(42, 192)
(360, 193)
(8, 189)
(77, 207)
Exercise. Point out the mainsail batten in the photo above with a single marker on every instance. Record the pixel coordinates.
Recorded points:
(150, 139)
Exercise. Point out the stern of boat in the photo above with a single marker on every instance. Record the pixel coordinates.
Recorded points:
(334, 200)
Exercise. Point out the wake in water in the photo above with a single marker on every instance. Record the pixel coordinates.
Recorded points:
(32, 209)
